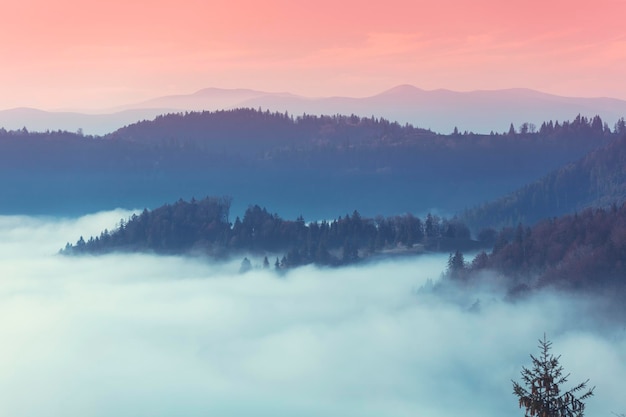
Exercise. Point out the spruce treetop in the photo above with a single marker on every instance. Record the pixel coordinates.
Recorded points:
(540, 393)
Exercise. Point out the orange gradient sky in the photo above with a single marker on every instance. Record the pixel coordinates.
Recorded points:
(97, 54)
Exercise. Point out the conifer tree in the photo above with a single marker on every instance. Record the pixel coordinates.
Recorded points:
(456, 265)
(246, 266)
(541, 394)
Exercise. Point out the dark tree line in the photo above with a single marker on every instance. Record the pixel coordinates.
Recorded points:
(203, 226)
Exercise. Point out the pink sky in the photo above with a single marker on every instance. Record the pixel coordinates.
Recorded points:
(97, 54)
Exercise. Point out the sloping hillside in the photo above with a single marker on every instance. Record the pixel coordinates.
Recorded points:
(583, 252)
(597, 180)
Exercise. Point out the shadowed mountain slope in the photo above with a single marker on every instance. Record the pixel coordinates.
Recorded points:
(596, 180)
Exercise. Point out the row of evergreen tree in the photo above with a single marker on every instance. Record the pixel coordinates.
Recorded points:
(203, 226)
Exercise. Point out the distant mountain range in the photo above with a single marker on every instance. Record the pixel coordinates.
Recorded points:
(93, 124)
(438, 110)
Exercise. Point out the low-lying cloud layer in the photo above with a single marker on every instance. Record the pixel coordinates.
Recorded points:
(139, 335)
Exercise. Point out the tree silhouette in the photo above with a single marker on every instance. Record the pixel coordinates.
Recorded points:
(542, 395)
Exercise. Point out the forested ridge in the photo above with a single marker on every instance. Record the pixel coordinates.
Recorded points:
(585, 251)
(325, 163)
(203, 227)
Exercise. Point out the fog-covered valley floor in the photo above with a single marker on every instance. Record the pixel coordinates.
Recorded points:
(140, 335)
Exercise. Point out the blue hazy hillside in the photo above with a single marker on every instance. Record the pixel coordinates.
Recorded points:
(316, 166)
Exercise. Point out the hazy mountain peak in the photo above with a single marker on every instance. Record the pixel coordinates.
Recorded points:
(402, 89)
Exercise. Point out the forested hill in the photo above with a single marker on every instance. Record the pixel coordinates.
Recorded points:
(311, 165)
(263, 134)
(203, 227)
(597, 180)
(256, 133)
(584, 251)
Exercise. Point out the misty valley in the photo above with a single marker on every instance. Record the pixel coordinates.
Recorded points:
(312, 209)
(403, 272)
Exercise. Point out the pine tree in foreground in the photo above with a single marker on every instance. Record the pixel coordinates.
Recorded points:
(541, 394)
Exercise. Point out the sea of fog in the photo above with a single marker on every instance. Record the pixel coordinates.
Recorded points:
(141, 335)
